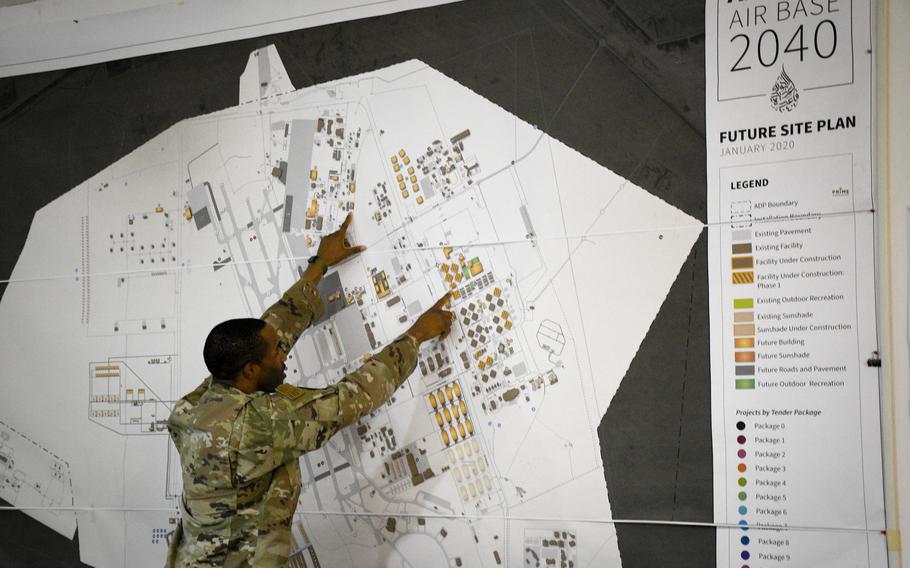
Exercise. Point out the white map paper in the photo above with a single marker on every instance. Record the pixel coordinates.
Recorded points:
(488, 455)
(43, 35)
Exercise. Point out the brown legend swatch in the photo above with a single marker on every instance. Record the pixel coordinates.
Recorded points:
(742, 262)
(742, 248)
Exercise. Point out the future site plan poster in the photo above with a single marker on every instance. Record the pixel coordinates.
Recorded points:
(795, 419)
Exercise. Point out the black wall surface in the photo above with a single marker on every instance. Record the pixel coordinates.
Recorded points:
(621, 81)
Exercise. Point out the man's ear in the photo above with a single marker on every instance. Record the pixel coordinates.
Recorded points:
(251, 370)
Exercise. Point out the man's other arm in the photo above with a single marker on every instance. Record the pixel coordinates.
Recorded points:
(301, 305)
(297, 420)
(280, 427)
(362, 391)
(326, 411)
(295, 311)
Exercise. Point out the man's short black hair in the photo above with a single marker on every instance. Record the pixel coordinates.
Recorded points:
(231, 345)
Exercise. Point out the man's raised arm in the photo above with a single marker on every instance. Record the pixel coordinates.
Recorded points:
(301, 304)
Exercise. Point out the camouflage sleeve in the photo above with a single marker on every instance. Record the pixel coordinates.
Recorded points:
(364, 390)
(189, 400)
(297, 309)
(278, 428)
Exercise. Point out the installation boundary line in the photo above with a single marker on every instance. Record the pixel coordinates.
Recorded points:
(524, 240)
(657, 522)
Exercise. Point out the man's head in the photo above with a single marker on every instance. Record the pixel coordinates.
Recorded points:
(244, 353)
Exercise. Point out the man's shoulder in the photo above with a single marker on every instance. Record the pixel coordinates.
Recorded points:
(290, 392)
(210, 404)
(300, 395)
(286, 402)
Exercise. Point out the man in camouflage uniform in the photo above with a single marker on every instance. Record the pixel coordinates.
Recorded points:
(241, 432)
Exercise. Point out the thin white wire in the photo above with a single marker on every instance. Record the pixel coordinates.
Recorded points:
(768, 527)
(524, 240)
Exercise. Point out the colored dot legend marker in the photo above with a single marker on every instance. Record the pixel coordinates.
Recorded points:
(742, 509)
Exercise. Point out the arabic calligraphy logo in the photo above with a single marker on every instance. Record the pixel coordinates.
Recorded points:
(784, 94)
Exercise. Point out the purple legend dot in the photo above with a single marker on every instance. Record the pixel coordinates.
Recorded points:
(741, 453)
(744, 554)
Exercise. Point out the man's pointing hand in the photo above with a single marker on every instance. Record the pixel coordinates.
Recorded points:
(435, 322)
(334, 248)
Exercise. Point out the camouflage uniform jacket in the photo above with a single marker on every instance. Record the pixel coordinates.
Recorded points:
(239, 452)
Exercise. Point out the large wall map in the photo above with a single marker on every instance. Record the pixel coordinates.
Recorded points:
(487, 456)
